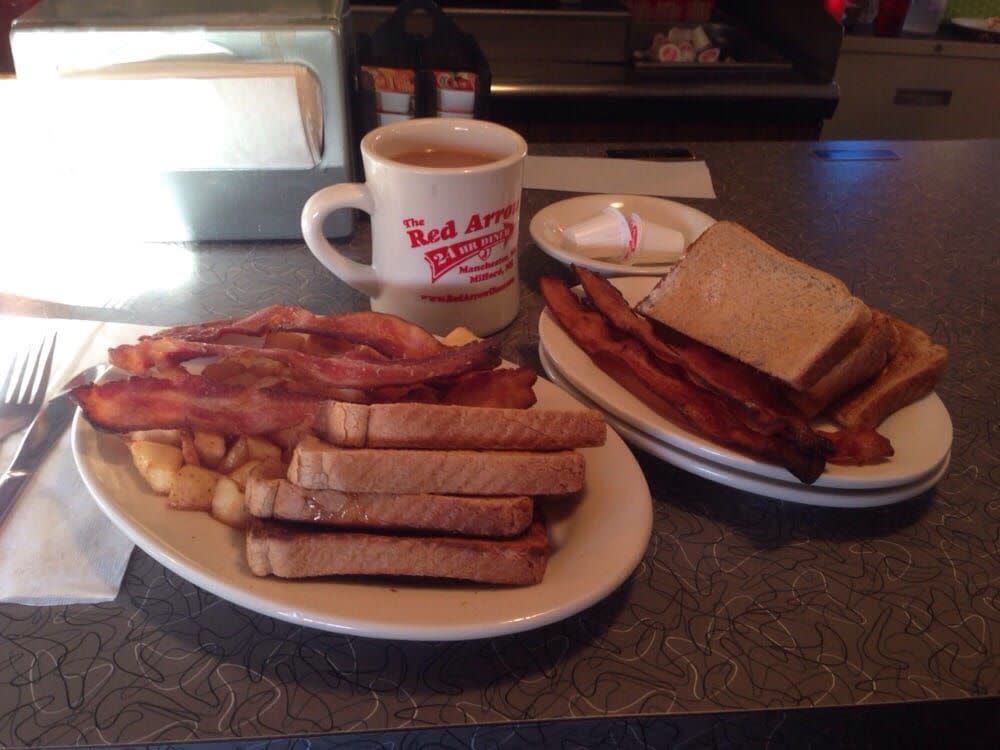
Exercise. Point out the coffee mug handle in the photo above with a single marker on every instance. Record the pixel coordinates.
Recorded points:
(317, 208)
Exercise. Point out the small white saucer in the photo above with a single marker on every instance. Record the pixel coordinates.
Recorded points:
(548, 225)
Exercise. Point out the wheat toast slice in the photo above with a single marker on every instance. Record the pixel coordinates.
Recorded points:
(909, 375)
(738, 294)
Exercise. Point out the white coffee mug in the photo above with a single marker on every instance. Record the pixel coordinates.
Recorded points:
(444, 197)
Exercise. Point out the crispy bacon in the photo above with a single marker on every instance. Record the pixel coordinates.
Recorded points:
(662, 389)
(245, 368)
(421, 393)
(340, 372)
(858, 447)
(387, 334)
(509, 388)
(257, 371)
(195, 403)
(763, 408)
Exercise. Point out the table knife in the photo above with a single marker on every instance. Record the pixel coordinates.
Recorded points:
(42, 434)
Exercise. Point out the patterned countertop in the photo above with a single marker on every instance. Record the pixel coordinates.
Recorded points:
(741, 603)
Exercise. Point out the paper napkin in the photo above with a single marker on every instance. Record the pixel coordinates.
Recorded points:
(56, 546)
(578, 174)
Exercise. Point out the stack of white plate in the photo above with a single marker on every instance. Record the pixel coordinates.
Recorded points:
(921, 434)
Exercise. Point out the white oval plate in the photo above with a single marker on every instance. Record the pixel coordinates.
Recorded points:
(548, 225)
(583, 569)
(795, 492)
(921, 433)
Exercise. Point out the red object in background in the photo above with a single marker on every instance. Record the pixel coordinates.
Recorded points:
(891, 17)
(835, 8)
(9, 10)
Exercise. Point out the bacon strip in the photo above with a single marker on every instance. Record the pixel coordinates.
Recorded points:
(387, 334)
(509, 388)
(342, 372)
(858, 447)
(195, 403)
(706, 413)
(764, 408)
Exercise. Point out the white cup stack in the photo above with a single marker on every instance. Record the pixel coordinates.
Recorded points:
(393, 106)
(455, 102)
(628, 239)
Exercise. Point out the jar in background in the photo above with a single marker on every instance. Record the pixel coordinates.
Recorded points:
(890, 17)
(924, 16)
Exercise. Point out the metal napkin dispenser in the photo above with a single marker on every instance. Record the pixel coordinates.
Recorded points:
(190, 122)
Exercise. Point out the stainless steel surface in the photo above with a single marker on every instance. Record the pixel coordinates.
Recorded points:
(191, 12)
(51, 421)
(22, 397)
(621, 89)
(57, 37)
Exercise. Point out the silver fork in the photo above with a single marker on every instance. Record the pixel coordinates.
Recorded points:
(23, 393)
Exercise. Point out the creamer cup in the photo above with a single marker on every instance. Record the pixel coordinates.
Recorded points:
(606, 235)
(384, 118)
(656, 243)
(456, 100)
(628, 239)
(398, 102)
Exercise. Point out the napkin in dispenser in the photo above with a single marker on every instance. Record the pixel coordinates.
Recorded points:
(168, 116)
(175, 121)
(196, 115)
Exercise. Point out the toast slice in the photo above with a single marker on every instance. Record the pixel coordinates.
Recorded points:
(861, 364)
(319, 466)
(290, 551)
(406, 425)
(738, 294)
(911, 374)
(449, 514)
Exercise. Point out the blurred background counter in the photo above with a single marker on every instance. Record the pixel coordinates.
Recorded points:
(586, 70)
(569, 71)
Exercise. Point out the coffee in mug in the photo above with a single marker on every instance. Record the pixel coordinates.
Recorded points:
(444, 157)
(444, 197)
